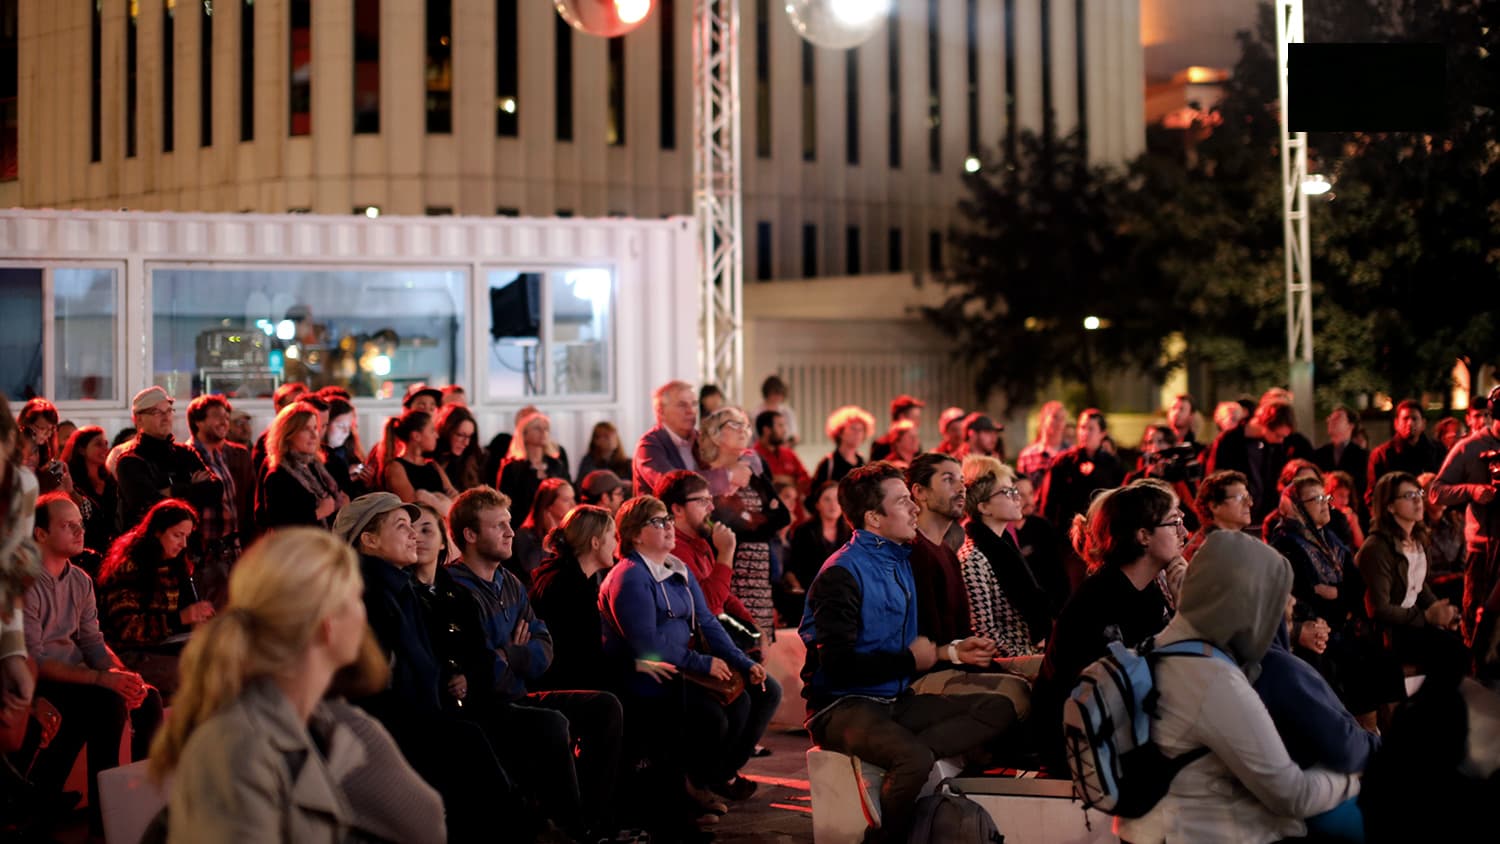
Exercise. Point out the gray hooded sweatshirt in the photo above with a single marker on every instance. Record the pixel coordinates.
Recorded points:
(1247, 790)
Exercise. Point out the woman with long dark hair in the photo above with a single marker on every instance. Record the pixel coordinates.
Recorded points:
(342, 450)
(296, 488)
(554, 498)
(813, 542)
(401, 466)
(148, 604)
(605, 452)
(565, 593)
(84, 455)
(459, 453)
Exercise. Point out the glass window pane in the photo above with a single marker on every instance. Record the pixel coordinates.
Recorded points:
(580, 331)
(243, 332)
(20, 333)
(515, 333)
(83, 341)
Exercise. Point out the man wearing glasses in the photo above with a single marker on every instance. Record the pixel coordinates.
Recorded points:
(153, 467)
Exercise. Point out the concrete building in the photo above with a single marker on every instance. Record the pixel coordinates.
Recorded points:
(852, 160)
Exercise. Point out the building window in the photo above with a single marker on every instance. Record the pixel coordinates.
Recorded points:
(550, 333)
(438, 211)
(564, 213)
(366, 67)
(852, 251)
(168, 75)
(762, 78)
(10, 78)
(971, 58)
(1049, 120)
(80, 345)
(809, 104)
(507, 69)
(895, 260)
(96, 36)
(893, 87)
(439, 67)
(247, 70)
(934, 90)
(935, 251)
(1010, 79)
(371, 332)
(564, 77)
(809, 250)
(665, 12)
(614, 119)
(300, 91)
(506, 211)
(206, 75)
(132, 60)
(851, 109)
(763, 250)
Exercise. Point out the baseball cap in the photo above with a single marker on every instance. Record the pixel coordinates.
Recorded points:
(149, 398)
(979, 422)
(357, 514)
(951, 415)
(599, 483)
(421, 390)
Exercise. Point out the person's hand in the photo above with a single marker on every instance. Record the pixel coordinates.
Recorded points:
(658, 671)
(719, 670)
(126, 684)
(458, 686)
(326, 506)
(924, 651)
(757, 675)
(201, 475)
(1441, 614)
(976, 650)
(197, 613)
(724, 540)
(522, 634)
(342, 500)
(739, 475)
(1314, 636)
(1485, 494)
(16, 684)
(1326, 592)
(363, 473)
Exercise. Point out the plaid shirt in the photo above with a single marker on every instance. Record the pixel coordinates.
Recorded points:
(216, 523)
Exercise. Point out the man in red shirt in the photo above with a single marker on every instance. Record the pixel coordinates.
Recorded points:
(770, 444)
(686, 496)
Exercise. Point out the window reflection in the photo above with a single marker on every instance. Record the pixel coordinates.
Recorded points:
(549, 332)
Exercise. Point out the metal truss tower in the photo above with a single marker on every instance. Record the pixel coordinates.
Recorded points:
(1294, 217)
(717, 197)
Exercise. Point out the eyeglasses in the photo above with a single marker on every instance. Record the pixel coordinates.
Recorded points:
(1009, 492)
(1235, 499)
(693, 499)
(156, 411)
(662, 522)
(1414, 495)
(735, 425)
(1318, 499)
(1172, 523)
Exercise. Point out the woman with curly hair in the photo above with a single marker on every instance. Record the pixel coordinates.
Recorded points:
(148, 604)
(847, 427)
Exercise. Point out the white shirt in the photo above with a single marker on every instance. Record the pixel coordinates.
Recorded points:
(1416, 574)
(684, 448)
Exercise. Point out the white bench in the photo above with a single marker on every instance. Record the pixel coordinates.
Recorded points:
(846, 800)
(128, 800)
(783, 660)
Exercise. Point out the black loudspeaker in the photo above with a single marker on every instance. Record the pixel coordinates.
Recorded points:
(516, 308)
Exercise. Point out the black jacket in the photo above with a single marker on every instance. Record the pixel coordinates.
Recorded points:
(456, 630)
(1398, 456)
(569, 603)
(1024, 588)
(281, 500)
(396, 616)
(1072, 480)
(151, 469)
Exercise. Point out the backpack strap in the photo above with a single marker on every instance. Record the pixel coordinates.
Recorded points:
(1190, 647)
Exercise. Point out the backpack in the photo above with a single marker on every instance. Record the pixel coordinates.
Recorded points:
(1117, 768)
(946, 815)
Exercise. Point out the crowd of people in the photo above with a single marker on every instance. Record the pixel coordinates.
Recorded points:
(432, 639)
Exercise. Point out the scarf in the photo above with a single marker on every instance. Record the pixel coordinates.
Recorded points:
(309, 471)
(1327, 553)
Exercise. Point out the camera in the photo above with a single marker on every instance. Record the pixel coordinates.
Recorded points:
(1175, 463)
(1491, 459)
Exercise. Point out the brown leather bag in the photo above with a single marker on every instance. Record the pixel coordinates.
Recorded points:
(723, 691)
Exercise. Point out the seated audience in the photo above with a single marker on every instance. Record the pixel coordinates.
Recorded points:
(1007, 602)
(401, 466)
(286, 394)
(452, 615)
(706, 547)
(85, 454)
(603, 488)
(152, 467)
(252, 749)
(77, 672)
(813, 542)
(1444, 545)
(1247, 788)
(565, 594)
(1038, 541)
(296, 489)
(38, 445)
(863, 651)
(1223, 503)
(148, 603)
(554, 498)
(459, 454)
(847, 427)
(532, 458)
(604, 453)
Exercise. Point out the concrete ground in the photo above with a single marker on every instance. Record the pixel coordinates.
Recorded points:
(781, 809)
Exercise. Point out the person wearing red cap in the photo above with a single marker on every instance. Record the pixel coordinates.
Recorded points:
(903, 408)
(951, 429)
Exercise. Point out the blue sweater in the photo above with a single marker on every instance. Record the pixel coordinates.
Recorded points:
(503, 604)
(860, 621)
(1313, 723)
(646, 619)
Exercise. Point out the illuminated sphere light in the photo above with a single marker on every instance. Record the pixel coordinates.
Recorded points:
(604, 18)
(838, 24)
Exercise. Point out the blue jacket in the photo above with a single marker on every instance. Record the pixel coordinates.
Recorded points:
(644, 618)
(503, 604)
(860, 620)
(1313, 723)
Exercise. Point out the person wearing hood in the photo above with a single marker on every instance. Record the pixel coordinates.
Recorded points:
(1247, 788)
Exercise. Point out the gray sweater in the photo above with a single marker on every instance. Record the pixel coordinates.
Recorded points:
(62, 620)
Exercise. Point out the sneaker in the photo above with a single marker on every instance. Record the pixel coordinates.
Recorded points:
(736, 789)
(760, 752)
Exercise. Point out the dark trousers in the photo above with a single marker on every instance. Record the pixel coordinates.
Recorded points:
(717, 739)
(1480, 576)
(455, 757)
(905, 738)
(570, 742)
(95, 716)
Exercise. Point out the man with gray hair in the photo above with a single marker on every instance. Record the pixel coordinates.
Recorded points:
(669, 445)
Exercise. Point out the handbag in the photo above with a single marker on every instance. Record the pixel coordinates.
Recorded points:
(724, 692)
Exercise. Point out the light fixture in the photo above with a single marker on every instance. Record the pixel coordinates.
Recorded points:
(604, 18)
(286, 330)
(372, 211)
(381, 365)
(837, 24)
(266, 326)
(1091, 323)
(292, 352)
(971, 164)
(508, 105)
(1316, 184)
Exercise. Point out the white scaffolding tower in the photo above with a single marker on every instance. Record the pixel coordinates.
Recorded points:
(717, 200)
(1299, 336)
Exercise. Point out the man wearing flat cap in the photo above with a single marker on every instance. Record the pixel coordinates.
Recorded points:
(153, 467)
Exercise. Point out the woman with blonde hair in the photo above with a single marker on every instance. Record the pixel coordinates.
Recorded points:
(296, 489)
(1007, 601)
(847, 427)
(532, 458)
(252, 748)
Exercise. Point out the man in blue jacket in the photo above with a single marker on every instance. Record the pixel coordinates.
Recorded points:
(534, 731)
(863, 650)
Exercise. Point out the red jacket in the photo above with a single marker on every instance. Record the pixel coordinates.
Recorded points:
(713, 579)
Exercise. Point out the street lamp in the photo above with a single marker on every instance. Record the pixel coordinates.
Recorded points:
(1316, 185)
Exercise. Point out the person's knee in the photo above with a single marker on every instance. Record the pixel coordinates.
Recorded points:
(911, 766)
